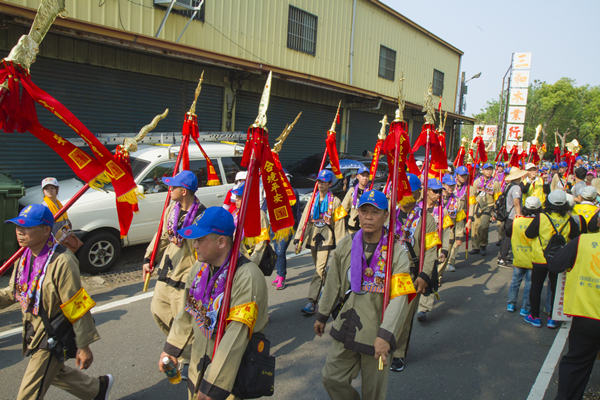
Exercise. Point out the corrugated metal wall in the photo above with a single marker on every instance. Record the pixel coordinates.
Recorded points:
(309, 133)
(106, 101)
(364, 128)
(257, 31)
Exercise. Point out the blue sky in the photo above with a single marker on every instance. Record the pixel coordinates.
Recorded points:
(561, 35)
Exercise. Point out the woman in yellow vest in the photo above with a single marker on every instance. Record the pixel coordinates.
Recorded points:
(581, 258)
(533, 185)
(554, 219)
(588, 207)
(521, 247)
(50, 189)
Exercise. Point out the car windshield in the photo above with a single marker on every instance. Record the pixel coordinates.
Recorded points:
(137, 166)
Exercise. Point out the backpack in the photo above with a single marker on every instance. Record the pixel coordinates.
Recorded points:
(500, 212)
(556, 242)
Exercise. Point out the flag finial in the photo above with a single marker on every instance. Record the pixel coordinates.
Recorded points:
(428, 107)
(337, 118)
(383, 123)
(196, 94)
(261, 119)
(399, 117)
(284, 134)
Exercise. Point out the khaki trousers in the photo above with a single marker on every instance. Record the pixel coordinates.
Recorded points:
(426, 302)
(405, 331)
(481, 227)
(318, 280)
(167, 301)
(44, 370)
(342, 366)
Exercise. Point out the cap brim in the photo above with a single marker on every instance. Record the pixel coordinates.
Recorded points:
(23, 222)
(374, 205)
(193, 232)
(170, 181)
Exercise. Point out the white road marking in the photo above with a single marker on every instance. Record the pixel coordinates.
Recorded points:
(538, 390)
(129, 300)
(104, 307)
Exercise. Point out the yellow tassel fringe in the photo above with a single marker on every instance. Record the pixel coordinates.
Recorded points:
(407, 199)
(283, 234)
(214, 182)
(130, 197)
(99, 181)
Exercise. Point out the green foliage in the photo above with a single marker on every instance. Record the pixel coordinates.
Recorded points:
(561, 106)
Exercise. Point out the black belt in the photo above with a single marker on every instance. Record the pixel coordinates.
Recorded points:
(171, 282)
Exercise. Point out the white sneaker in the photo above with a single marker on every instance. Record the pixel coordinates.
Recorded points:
(450, 268)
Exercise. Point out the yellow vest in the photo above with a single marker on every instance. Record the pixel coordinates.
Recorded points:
(536, 189)
(546, 232)
(582, 287)
(521, 244)
(587, 211)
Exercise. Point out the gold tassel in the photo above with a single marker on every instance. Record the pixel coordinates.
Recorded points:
(99, 181)
(292, 202)
(250, 241)
(130, 197)
(213, 182)
(283, 234)
(407, 199)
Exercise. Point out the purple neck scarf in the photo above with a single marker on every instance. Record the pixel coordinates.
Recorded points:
(369, 278)
(205, 297)
(355, 195)
(30, 277)
(173, 221)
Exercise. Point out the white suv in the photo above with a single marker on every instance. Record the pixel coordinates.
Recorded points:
(94, 215)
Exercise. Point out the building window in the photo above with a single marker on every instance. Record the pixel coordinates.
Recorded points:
(302, 31)
(438, 82)
(187, 8)
(387, 63)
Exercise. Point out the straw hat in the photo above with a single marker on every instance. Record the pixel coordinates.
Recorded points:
(515, 173)
(596, 184)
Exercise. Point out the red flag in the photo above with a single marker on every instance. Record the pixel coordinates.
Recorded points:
(533, 154)
(333, 154)
(514, 156)
(375, 161)
(190, 129)
(398, 136)
(278, 205)
(459, 161)
(440, 106)
(556, 154)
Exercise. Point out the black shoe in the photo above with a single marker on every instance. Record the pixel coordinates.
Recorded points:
(482, 251)
(474, 251)
(397, 364)
(498, 243)
(106, 383)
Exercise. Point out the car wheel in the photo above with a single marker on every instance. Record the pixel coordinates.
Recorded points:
(99, 253)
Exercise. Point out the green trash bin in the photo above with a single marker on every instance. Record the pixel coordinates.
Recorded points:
(10, 193)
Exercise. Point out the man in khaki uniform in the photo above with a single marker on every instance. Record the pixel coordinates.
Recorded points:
(408, 230)
(460, 233)
(325, 228)
(213, 377)
(484, 192)
(357, 274)
(350, 202)
(176, 254)
(55, 269)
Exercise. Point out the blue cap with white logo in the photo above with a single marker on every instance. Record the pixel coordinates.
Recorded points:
(554, 166)
(500, 164)
(487, 165)
(374, 198)
(214, 220)
(448, 180)
(325, 175)
(184, 179)
(33, 215)
(414, 182)
(462, 170)
(362, 169)
(434, 184)
(562, 164)
(578, 158)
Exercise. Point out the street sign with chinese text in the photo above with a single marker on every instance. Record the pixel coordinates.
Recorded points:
(489, 134)
(522, 61)
(520, 79)
(516, 115)
(514, 132)
(518, 97)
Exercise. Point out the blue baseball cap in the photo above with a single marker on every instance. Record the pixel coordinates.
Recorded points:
(462, 170)
(362, 169)
(507, 170)
(374, 198)
(578, 158)
(554, 166)
(213, 220)
(544, 168)
(562, 164)
(434, 184)
(487, 165)
(239, 190)
(448, 180)
(414, 182)
(500, 164)
(185, 179)
(325, 176)
(33, 215)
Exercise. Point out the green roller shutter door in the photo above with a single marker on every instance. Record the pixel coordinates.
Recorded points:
(364, 128)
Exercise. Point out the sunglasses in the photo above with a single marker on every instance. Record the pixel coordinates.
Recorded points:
(436, 191)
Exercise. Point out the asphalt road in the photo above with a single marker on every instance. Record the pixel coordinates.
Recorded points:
(470, 348)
